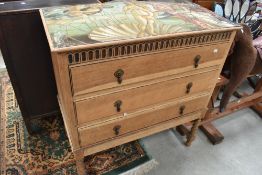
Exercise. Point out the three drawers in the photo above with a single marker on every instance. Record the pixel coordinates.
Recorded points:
(103, 75)
(140, 120)
(125, 101)
(121, 97)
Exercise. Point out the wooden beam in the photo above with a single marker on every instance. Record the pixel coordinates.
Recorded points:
(213, 135)
(242, 103)
(258, 109)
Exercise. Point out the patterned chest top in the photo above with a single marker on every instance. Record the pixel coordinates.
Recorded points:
(89, 24)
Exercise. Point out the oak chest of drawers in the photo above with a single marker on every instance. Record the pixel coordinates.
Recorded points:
(126, 70)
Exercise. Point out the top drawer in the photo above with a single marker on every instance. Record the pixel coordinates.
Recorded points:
(102, 75)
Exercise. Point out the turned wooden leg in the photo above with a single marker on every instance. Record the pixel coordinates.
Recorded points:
(80, 165)
(192, 135)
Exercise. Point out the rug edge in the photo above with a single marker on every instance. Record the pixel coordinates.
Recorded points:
(2, 138)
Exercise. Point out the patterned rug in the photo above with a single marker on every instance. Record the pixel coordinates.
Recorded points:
(48, 152)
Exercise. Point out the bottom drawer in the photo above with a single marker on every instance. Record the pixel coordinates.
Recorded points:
(88, 150)
(90, 135)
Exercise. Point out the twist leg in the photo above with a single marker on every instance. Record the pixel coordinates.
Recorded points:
(80, 165)
(192, 135)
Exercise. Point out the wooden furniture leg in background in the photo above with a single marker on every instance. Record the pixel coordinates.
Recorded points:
(254, 101)
(258, 107)
(192, 135)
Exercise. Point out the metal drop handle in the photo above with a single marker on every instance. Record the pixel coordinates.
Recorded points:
(197, 60)
(182, 109)
(116, 129)
(119, 75)
(188, 87)
(118, 104)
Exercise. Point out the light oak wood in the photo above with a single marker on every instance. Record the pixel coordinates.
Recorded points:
(192, 134)
(98, 76)
(65, 98)
(142, 133)
(127, 123)
(147, 108)
(161, 86)
(102, 106)
(80, 164)
(152, 91)
(152, 79)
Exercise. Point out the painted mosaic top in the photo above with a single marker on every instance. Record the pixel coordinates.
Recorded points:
(121, 20)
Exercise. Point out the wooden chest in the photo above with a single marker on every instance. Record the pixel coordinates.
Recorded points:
(126, 70)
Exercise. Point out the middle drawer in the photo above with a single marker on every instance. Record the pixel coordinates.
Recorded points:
(126, 101)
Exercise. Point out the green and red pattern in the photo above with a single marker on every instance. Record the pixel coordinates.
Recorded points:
(48, 152)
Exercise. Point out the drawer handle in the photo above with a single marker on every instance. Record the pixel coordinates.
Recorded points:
(116, 129)
(197, 60)
(118, 104)
(119, 75)
(182, 109)
(188, 87)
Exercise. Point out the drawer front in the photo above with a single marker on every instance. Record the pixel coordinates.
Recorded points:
(134, 122)
(126, 101)
(108, 74)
